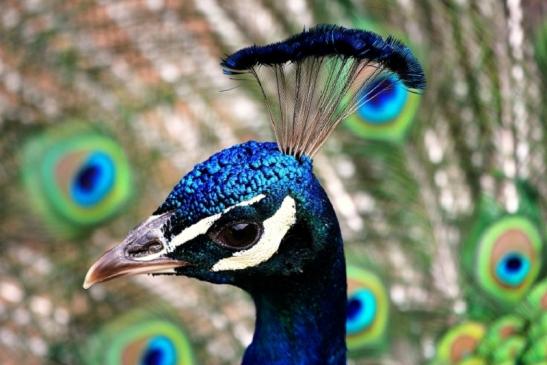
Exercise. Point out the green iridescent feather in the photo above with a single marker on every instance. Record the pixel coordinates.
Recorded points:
(500, 331)
(140, 337)
(75, 176)
(502, 255)
(509, 350)
(368, 312)
(536, 301)
(391, 109)
(459, 343)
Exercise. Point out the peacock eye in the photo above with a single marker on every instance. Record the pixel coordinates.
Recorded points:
(239, 235)
(76, 176)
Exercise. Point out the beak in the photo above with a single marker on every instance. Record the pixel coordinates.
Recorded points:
(142, 252)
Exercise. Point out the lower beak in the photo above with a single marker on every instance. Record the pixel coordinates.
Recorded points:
(122, 260)
(113, 264)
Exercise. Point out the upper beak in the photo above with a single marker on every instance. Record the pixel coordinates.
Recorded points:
(142, 252)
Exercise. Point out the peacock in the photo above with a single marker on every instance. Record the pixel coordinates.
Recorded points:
(255, 216)
(440, 195)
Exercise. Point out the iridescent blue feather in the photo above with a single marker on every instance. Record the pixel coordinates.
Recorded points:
(333, 40)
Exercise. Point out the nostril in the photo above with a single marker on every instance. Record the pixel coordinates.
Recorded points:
(145, 249)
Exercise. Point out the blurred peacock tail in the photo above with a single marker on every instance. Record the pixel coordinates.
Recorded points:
(458, 343)
(389, 113)
(514, 338)
(420, 183)
(503, 254)
(368, 312)
(75, 177)
(140, 337)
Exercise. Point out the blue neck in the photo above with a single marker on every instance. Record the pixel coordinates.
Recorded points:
(301, 318)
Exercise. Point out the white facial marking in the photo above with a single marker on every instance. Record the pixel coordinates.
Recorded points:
(192, 232)
(195, 230)
(275, 229)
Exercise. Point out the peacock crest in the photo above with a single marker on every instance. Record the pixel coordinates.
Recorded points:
(314, 80)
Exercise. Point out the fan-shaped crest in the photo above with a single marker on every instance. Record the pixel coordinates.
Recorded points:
(315, 79)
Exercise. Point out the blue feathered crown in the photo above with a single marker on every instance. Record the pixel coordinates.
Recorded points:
(315, 79)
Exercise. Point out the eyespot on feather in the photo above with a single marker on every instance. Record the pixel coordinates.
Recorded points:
(75, 177)
(459, 343)
(388, 113)
(508, 258)
(140, 337)
(367, 312)
(499, 331)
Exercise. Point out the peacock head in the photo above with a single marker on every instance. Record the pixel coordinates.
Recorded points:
(230, 220)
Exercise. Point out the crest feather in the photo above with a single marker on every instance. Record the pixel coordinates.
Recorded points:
(315, 79)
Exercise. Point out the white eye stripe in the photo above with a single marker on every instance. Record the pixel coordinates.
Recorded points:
(203, 225)
(196, 229)
(192, 232)
(275, 229)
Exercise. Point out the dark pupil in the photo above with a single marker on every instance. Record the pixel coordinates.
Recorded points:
(380, 91)
(354, 306)
(87, 176)
(513, 263)
(241, 234)
(152, 357)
